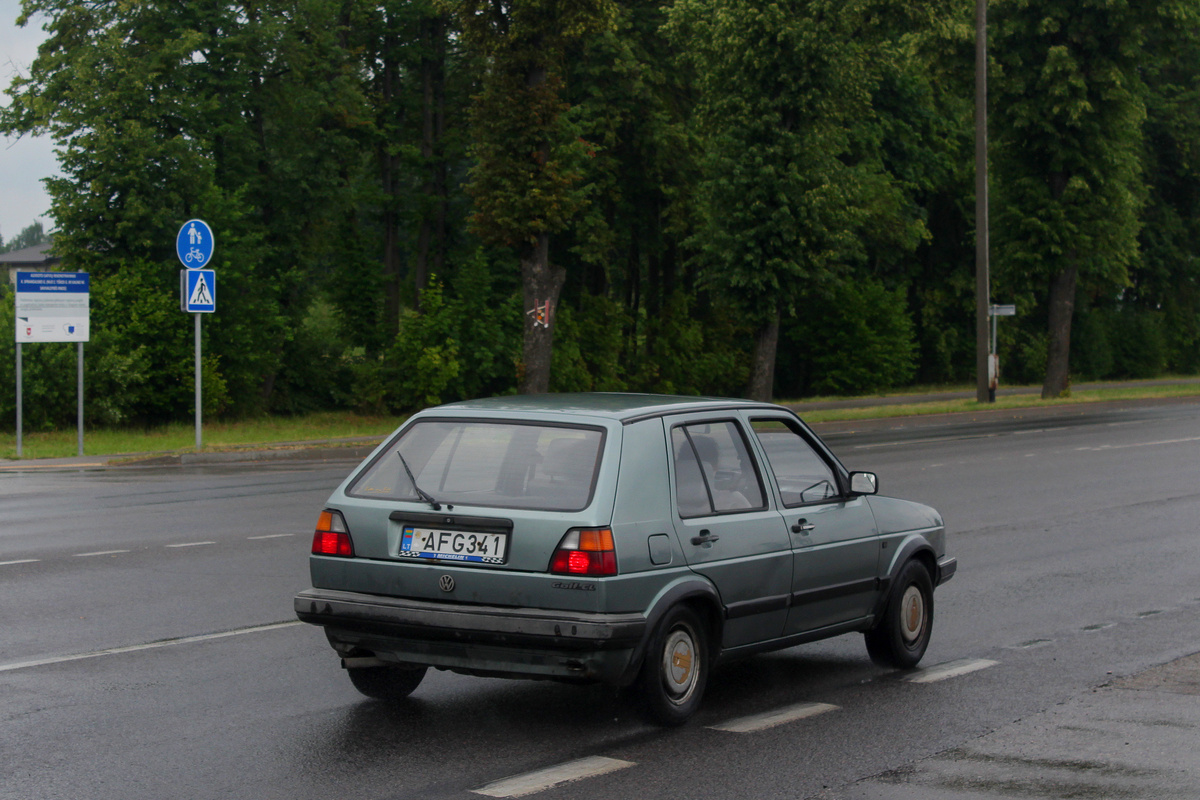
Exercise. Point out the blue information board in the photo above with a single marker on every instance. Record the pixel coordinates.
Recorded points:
(194, 244)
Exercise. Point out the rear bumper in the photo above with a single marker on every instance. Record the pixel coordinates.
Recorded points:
(477, 639)
(946, 567)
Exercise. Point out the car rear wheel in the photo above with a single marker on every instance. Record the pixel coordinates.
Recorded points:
(675, 671)
(386, 683)
(902, 635)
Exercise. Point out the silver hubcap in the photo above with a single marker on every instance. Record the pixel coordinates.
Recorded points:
(680, 665)
(912, 614)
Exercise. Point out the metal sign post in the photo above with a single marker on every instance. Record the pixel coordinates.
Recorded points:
(995, 311)
(194, 244)
(199, 425)
(18, 400)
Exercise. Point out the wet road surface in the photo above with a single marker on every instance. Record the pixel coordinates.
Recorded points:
(147, 648)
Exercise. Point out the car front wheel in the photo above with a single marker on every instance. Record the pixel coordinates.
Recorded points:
(902, 635)
(386, 683)
(675, 671)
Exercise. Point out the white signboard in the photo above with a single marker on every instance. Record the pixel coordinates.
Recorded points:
(53, 306)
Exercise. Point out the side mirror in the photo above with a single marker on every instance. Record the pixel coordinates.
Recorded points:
(863, 483)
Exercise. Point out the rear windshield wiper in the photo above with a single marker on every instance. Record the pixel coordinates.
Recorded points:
(421, 493)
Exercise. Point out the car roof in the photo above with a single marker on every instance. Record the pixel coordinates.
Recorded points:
(625, 407)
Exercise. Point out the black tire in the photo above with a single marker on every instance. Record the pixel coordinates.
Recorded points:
(903, 634)
(387, 683)
(675, 670)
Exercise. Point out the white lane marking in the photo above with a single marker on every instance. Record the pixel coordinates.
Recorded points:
(532, 782)
(769, 719)
(20, 561)
(1038, 430)
(933, 440)
(190, 544)
(1138, 444)
(112, 651)
(101, 553)
(951, 669)
(271, 536)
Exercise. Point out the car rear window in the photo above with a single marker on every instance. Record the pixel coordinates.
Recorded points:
(488, 463)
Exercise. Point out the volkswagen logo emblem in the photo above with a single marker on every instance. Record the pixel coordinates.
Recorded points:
(446, 583)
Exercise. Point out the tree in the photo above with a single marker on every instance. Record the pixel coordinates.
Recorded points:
(238, 113)
(30, 236)
(525, 179)
(1068, 106)
(788, 187)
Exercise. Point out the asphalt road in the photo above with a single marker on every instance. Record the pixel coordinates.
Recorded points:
(148, 649)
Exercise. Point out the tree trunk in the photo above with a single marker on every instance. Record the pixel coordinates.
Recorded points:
(762, 372)
(1058, 355)
(541, 285)
(432, 234)
(389, 178)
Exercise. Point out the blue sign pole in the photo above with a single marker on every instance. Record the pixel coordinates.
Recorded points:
(194, 244)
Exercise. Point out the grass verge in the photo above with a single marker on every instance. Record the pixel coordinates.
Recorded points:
(217, 436)
(329, 425)
(967, 405)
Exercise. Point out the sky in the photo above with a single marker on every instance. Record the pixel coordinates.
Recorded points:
(25, 161)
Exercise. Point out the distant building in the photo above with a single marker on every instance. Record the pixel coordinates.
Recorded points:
(30, 259)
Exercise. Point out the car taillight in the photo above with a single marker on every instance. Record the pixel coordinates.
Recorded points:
(331, 537)
(585, 551)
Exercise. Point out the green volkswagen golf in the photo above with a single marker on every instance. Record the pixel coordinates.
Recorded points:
(633, 540)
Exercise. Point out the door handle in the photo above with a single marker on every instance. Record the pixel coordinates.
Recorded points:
(704, 538)
(803, 526)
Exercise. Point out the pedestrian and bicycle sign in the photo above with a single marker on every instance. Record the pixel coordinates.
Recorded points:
(194, 244)
(198, 290)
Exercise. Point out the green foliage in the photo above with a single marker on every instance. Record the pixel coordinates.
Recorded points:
(118, 376)
(855, 338)
(702, 168)
(461, 345)
(527, 154)
(694, 350)
(1120, 343)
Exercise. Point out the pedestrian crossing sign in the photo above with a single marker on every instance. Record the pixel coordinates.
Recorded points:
(198, 290)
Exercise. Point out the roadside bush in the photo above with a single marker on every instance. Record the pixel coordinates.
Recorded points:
(854, 338)
(462, 344)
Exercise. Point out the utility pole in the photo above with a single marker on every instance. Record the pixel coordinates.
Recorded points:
(982, 279)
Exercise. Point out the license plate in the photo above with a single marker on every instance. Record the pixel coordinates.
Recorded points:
(472, 546)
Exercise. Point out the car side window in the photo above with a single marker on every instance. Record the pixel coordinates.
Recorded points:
(803, 476)
(714, 472)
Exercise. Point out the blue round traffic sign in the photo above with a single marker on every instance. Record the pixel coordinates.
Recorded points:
(194, 244)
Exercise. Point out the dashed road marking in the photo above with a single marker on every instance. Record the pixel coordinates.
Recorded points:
(190, 544)
(1139, 444)
(101, 553)
(112, 651)
(1032, 644)
(271, 536)
(951, 669)
(20, 561)
(769, 719)
(540, 780)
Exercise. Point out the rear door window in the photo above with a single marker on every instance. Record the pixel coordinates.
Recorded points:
(488, 463)
(714, 472)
